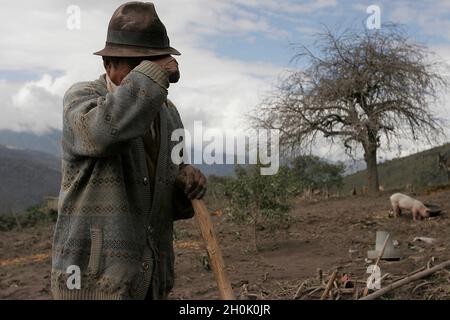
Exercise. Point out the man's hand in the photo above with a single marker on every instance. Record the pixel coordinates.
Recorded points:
(192, 181)
(170, 64)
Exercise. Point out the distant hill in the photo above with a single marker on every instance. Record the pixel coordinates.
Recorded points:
(420, 170)
(49, 142)
(26, 176)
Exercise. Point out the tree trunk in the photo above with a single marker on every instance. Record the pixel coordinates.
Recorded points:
(370, 157)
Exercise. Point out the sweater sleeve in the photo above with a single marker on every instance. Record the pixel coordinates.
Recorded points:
(99, 126)
(182, 205)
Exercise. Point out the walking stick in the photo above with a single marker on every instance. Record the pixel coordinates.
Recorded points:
(214, 253)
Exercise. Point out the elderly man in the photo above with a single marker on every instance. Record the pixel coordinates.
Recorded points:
(120, 191)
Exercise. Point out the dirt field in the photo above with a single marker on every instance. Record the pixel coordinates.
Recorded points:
(319, 236)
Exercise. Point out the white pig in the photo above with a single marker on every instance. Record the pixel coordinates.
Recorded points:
(401, 201)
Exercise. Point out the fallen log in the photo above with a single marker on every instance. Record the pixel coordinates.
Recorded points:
(406, 280)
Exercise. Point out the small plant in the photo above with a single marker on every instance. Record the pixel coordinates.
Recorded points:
(260, 200)
(7, 222)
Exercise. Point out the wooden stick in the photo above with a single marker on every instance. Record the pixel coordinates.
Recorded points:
(410, 274)
(383, 249)
(421, 285)
(385, 276)
(329, 285)
(366, 289)
(320, 276)
(214, 253)
(299, 290)
(347, 290)
(406, 280)
(356, 297)
(314, 290)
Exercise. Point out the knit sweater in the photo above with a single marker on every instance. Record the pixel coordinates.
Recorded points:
(113, 222)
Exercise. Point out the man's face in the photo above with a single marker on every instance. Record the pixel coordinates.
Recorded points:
(117, 72)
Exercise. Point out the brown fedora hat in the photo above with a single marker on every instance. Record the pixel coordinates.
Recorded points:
(135, 30)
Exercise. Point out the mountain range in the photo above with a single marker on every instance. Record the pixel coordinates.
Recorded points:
(26, 177)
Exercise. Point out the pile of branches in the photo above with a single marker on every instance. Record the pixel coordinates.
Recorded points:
(428, 282)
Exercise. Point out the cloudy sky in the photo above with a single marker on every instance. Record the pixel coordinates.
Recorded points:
(233, 51)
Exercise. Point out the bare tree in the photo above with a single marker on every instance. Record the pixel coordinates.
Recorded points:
(359, 87)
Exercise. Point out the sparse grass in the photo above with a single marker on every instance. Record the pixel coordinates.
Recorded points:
(421, 170)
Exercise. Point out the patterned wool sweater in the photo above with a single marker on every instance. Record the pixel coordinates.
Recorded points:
(114, 222)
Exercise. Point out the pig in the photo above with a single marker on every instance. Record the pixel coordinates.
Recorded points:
(401, 201)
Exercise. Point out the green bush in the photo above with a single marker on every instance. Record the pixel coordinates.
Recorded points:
(7, 222)
(264, 201)
(257, 200)
(217, 189)
(30, 218)
(313, 173)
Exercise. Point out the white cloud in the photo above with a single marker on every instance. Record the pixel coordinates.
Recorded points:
(432, 17)
(214, 89)
(17, 113)
(286, 6)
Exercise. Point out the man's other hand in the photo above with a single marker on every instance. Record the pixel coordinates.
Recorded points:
(192, 181)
